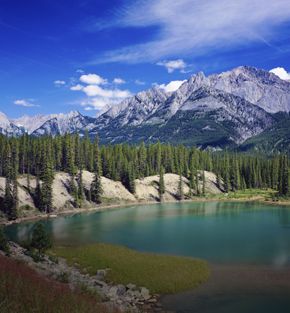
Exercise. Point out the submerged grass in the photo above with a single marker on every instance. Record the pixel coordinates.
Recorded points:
(22, 290)
(159, 273)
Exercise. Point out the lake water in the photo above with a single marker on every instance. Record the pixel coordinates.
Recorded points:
(220, 232)
(229, 235)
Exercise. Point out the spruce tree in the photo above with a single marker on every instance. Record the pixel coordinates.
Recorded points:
(40, 240)
(47, 177)
(197, 183)
(161, 189)
(192, 179)
(10, 201)
(283, 182)
(96, 188)
(4, 246)
(180, 187)
(203, 183)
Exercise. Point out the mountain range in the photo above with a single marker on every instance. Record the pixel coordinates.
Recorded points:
(245, 108)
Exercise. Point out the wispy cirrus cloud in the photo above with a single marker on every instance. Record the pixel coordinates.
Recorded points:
(194, 27)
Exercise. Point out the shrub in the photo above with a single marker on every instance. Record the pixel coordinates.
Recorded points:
(4, 242)
(40, 241)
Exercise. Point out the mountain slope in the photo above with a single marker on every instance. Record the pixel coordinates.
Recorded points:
(272, 140)
(8, 128)
(207, 118)
(61, 124)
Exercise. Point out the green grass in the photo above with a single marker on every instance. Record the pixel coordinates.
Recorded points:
(159, 273)
(247, 194)
(251, 193)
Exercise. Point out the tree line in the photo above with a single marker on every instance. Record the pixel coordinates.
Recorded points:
(42, 157)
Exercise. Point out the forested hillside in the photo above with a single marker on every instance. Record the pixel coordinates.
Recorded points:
(43, 157)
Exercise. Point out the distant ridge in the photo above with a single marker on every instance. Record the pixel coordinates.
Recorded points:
(218, 111)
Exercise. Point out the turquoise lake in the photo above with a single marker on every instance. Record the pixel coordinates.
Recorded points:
(220, 232)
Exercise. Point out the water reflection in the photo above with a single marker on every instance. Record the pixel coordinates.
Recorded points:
(217, 231)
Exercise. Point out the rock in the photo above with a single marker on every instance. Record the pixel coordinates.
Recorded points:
(116, 291)
(101, 273)
(131, 286)
(121, 290)
(145, 293)
(100, 283)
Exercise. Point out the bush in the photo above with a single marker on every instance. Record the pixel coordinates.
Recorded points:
(40, 241)
(4, 246)
(63, 277)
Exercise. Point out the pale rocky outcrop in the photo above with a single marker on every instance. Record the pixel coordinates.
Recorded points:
(24, 197)
(147, 188)
(113, 191)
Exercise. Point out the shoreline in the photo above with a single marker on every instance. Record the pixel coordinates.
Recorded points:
(105, 207)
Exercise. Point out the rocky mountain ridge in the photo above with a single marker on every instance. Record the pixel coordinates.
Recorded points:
(215, 111)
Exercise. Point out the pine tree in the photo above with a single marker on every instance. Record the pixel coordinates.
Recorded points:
(218, 181)
(131, 178)
(197, 183)
(192, 179)
(4, 246)
(47, 177)
(10, 201)
(180, 187)
(161, 189)
(283, 182)
(40, 241)
(96, 188)
(203, 183)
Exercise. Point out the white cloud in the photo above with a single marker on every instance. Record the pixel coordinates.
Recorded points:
(172, 86)
(119, 81)
(99, 97)
(93, 79)
(59, 83)
(173, 65)
(139, 82)
(25, 103)
(281, 72)
(94, 90)
(195, 27)
(77, 87)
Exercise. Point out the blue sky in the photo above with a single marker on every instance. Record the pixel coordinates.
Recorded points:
(58, 56)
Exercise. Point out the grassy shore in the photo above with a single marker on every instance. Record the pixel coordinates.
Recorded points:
(22, 290)
(159, 273)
